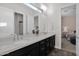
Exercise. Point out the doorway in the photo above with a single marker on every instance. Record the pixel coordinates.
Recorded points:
(18, 23)
(68, 28)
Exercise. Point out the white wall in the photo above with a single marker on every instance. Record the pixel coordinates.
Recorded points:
(77, 29)
(43, 23)
(57, 26)
(69, 22)
(30, 22)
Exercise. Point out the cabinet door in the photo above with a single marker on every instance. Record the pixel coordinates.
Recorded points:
(47, 42)
(42, 48)
(34, 50)
(52, 42)
(47, 45)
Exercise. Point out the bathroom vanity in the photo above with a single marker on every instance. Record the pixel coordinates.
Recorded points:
(36, 45)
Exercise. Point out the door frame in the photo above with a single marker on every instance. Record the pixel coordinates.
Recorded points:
(18, 22)
(61, 19)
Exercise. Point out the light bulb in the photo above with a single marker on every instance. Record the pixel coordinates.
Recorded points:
(43, 7)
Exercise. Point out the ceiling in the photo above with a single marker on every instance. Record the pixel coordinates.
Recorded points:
(69, 11)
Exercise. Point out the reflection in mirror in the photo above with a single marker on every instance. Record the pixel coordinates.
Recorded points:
(36, 27)
(3, 24)
(35, 21)
(18, 24)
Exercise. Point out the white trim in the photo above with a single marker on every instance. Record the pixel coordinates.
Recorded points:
(61, 14)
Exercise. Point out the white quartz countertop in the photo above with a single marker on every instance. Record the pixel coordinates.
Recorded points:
(25, 41)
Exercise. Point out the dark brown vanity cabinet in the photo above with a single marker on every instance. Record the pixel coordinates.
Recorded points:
(19, 52)
(52, 42)
(47, 46)
(34, 50)
(41, 48)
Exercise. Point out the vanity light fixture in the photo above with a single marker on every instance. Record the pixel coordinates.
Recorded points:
(33, 7)
(43, 7)
(3, 24)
